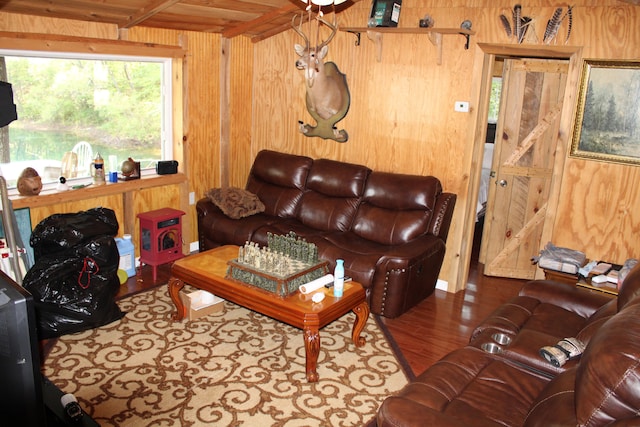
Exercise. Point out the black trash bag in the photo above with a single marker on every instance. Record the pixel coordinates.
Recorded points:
(60, 232)
(74, 289)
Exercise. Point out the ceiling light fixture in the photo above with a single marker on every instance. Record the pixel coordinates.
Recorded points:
(323, 2)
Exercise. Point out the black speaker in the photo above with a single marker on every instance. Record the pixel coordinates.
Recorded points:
(7, 107)
(166, 167)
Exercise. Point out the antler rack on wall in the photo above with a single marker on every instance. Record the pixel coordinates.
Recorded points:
(435, 36)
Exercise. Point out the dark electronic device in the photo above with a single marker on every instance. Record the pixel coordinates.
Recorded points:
(21, 391)
(71, 407)
(167, 167)
(8, 112)
(346, 279)
(27, 398)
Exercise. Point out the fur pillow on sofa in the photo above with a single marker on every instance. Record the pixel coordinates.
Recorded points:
(235, 202)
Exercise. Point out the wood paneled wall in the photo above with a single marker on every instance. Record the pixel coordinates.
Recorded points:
(401, 117)
(200, 158)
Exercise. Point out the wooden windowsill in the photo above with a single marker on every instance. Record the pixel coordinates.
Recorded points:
(49, 196)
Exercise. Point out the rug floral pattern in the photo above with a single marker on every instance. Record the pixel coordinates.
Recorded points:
(232, 368)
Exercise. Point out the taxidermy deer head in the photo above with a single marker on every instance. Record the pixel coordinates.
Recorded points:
(328, 96)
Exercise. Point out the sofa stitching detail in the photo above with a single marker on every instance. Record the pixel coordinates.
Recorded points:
(440, 215)
(529, 312)
(609, 392)
(510, 322)
(386, 286)
(547, 398)
(384, 293)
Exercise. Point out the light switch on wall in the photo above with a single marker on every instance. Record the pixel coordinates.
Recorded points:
(461, 106)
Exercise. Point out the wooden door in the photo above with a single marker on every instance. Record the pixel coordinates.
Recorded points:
(526, 138)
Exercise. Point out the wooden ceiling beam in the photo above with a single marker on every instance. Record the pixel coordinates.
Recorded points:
(266, 18)
(271, 32)
(147, 12)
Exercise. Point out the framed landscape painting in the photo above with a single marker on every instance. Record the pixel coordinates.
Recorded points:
(607, 123)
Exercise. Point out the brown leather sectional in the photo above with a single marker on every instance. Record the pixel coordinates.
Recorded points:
(517, 387)
(389, 228)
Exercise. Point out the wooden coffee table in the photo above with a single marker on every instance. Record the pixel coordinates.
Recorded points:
(207, 271)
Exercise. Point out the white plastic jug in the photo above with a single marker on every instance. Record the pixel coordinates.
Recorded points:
(127, 254)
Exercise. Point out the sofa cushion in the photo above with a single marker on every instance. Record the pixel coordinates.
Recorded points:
(333, 194)
(396, 208)
(535, 323)
(235, 202)
(523, 312)
(278, 179)
(467, 387)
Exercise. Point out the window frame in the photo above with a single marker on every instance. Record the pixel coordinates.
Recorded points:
(173, 58)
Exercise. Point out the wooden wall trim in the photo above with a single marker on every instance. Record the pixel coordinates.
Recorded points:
(483, 72)
(225, 110)
(56, 43)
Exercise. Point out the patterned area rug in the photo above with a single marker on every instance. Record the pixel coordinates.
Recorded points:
(231, 368)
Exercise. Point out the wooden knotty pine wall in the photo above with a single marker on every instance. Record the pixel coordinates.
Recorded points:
(401, 117)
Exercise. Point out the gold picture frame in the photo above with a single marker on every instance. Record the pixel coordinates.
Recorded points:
(607, 125)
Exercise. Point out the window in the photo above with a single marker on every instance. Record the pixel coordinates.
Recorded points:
(72, 107)
(494, 102)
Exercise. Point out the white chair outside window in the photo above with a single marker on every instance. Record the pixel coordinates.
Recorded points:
(85, 156)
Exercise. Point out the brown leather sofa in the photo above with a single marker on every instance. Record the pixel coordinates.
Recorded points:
(470, 387)
(389, 228)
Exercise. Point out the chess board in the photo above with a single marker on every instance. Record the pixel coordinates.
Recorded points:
(283, 285)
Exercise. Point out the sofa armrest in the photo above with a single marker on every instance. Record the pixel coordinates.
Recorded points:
(205, 207)
(410, 250)
(406, 274)
(442, 215)
(572, 298)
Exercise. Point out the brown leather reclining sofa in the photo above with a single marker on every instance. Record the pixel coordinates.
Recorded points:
(517, 387)
(389, 228)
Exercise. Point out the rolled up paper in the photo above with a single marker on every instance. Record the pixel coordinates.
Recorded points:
(316, 284)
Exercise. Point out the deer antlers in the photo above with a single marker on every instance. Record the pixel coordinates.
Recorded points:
(333, 26)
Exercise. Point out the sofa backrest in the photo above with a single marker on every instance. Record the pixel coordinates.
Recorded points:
(630, 288)
(608, 375)
(279, 179)
(333, 193)
(397, 208)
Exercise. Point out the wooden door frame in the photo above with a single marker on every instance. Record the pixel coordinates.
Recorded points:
(485, 56)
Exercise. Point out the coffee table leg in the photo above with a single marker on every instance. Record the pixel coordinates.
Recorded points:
(362, 314)
(175, 285)
(312, 350)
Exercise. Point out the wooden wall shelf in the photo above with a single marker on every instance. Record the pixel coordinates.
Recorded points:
(435, 36)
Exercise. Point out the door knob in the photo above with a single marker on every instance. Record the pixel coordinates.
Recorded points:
(503, 183)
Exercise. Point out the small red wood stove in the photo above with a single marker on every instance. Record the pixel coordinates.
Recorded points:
(160, 237)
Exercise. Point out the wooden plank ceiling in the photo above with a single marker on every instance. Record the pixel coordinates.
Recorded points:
(257, 19)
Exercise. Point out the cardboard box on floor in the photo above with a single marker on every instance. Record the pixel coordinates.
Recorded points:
(200, 303)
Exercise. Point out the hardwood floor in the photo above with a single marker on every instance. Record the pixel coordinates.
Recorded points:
(425, 333)
(444, 321)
